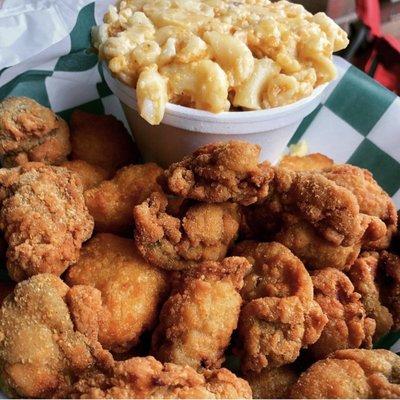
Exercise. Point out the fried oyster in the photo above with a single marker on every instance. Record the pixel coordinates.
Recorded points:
(221, 172)
(31, 132)
(203, 233)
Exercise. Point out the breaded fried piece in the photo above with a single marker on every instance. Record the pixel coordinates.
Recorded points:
(272, 383)
(145, 378)
(90, 175)
(314, 250)
(131, 289)
(310, 162)
(101, 140)
(221, 172)
(31, 132)
(276, 272)
(389, 265)
(271, 330)
(350, 374)
(44, 219)
(6, 287)
(331, 209)
(111, 203)
(197, 321)
(40, 349)
(348, 326)
(204, 233)
(372, 199)
(363, 275)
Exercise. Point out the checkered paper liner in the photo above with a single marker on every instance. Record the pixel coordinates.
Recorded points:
(358, 120)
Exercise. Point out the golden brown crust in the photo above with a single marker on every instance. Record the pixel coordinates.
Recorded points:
(197, 321)
(348, 326)
(90, 175)
(101, 140)
(39, 348)
(221, 172)
(354, 373)
(272, 383)
(131, 290)
(111, 202)
(314, 250)
(31, 132)
(271, 330)
(44, 219)
(389, 265)
(204, 233)
(310, 162)
(148, 378)
(331, 209)
(372, 199)
(276, 272)
(363, 275)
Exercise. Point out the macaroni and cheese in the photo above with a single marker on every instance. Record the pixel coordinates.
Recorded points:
(217, 55)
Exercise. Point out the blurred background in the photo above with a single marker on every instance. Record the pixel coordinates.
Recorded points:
(374, 28)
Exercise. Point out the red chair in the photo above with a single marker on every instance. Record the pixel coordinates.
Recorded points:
(382, 60)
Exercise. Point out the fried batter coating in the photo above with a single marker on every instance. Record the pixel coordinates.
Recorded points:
(350, 374)
(44, 219)
(197, 321)
(90, 175)
(131, 289)
(271, 330)
(276, 272)
(101, 140)
(372, 199)
(147, 378)
(40, 350)
(31, 132)
(272, 383)
(204, 233)
(310, 162)
(111, 203)
(348, 326)
(363, 275)
(221, 172)
(389, 265)
(314, 250)
(331, 209)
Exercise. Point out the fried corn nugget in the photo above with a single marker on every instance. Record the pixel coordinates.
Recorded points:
(389, 265)
(40, 349)
(204, 233)
(145, 378)
(348, 326)
(197, 321)
(101, 140)
(111, 203)
(363, 275)
(276, 272)
(221, 172)
(90, 175)
(31, 132)
(372, 199)
(44, 219)
(272, 383)
(310, 162)
(331, 209)
(131, 289)
(314, 250)
(350, 374)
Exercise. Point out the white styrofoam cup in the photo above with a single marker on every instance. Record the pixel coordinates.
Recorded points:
(185, 129)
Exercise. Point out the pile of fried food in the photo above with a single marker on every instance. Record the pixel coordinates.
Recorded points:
(138, 282)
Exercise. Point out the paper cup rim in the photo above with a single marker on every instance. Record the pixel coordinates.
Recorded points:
(127, 94)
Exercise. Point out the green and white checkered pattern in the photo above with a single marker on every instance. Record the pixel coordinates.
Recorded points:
(358, 121)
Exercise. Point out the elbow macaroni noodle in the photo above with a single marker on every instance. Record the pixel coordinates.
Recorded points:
(217, 55)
